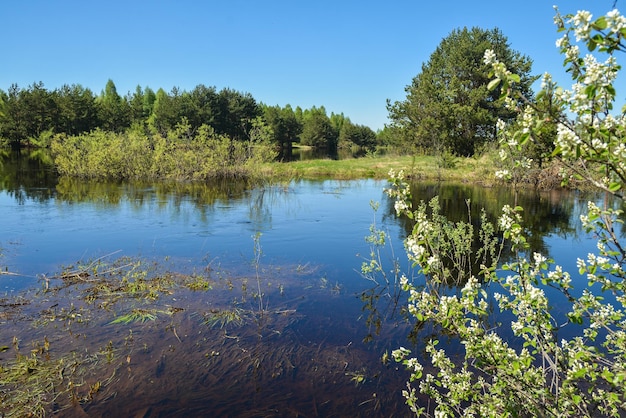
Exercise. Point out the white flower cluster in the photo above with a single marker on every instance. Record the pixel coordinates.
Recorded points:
(507, 219)
(538, 259)
(600, 74)
(404, 282)
(500, 125)
(503, 174)
(413, 365)
(499, 69)
(490, 57)
(528, 120)
(602, 315)
(400, 354)
(546, 81)
(582, 24)
(400, 206)
(574, 350)
(563, 278)
(615, 22)
(566, 139)
(593, 212)
(401, 192)
(393, 175)
(414, 250)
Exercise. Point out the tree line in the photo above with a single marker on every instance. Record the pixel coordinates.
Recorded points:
(448, 110)
(32, 115)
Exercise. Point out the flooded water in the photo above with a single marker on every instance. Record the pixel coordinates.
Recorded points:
(263, 312)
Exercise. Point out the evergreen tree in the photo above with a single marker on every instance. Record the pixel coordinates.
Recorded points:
(448, 105)
(113, 110)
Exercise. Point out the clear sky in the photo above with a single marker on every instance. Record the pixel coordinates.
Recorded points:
(348, 56)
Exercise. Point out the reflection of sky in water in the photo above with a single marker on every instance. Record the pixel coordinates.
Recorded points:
(308, 222)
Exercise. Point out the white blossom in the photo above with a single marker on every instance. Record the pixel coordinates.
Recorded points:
(615, 21)
(582, 24)
(503, 174)
(489, 57)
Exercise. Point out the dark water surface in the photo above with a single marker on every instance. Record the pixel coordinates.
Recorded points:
(296, 350)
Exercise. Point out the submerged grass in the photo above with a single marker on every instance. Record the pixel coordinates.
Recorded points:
(136, 315)
(38, 382)
(225, 317)
(73, 308)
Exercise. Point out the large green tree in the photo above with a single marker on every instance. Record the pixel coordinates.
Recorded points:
(13, 123)
(237, 112)
(77, 110)
(285, 128)
(359, 135)
(113, 110)
(318, 131)
(165, 113)
(448, 104)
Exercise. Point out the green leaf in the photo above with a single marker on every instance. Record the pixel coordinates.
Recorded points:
(575, 318)
(514, 78)
(493, 84)
(600, 23)
(580, 373)
(590, 90)
(614, 187)
(524, 138)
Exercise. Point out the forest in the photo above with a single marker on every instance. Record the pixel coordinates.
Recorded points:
(31, 116)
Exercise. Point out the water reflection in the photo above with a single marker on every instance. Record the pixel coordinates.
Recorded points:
(27, 174)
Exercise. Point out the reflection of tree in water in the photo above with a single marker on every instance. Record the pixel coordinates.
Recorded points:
(27, 174)
(31, 176)
(545, 212)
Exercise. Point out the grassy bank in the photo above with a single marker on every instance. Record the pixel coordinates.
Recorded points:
(475, 170)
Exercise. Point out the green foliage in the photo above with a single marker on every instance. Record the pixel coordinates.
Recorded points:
(446, 159)
(535, 373)
(113, 110)
(181, 155)
(448, 105)
(43, 140)
(317, 130)
(285, 128)
(359, 135)
(136, 315)
(26, 114)
(32, 381)
(221, 318)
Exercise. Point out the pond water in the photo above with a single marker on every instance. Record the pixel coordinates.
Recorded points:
(280, 331)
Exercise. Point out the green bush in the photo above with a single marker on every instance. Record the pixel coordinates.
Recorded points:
(177, 156)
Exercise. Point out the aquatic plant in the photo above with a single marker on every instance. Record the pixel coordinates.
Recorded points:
(36, 382)
(136, 315)
(225, 317)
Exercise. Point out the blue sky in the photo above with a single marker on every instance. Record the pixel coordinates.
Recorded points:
(349, 56)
